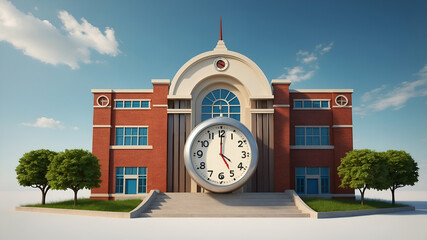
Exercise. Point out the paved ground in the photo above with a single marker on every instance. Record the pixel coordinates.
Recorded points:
(24, 225)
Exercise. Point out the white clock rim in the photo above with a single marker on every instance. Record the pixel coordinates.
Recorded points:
(225, 61)
(192, 138)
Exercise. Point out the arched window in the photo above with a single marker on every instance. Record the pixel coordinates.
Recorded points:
(220, 103)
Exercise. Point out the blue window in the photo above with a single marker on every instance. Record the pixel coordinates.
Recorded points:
(311, 104)
(220, 103)
(312, 180)
(136, 104)
(132, 136)
(131, 170)
(142, 180)
(325, 104)
(311, 136)
(145, 104)
(119, 180)
(131, 180)
(298, 104)
(119, 104)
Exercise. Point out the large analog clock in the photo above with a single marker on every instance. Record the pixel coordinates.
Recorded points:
(220, 154)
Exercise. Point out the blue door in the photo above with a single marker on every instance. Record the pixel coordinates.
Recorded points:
(130, 186)
(312, 186)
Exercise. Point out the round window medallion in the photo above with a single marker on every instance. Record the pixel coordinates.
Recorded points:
(341, 101)
(221, 64)
(103, 101)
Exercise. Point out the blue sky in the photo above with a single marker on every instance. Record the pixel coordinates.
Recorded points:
(52, 53)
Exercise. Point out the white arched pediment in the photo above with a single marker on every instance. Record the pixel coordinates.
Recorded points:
(201, 68)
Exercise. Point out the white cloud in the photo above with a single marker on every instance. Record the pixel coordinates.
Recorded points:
(43, 41)
(379, 99)
(45, 122)
(423, 71)
(75, 128)
(307, 63)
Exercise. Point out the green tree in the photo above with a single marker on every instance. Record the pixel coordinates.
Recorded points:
(75, 169)
(363, 169)
(32, 170)
(403, 170)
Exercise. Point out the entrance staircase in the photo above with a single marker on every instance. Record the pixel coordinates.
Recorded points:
(222, 205)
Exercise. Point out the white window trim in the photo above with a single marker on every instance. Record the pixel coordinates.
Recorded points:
(281, 105)
(100, 105)
(132, 108)
(306, 147)
(115, 147)
(328, 108)
(341, 105)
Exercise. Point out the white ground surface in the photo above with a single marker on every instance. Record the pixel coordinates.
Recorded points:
(26, 225)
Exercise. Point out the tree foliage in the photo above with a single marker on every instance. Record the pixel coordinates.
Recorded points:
(363, 169)
(75, 169)
(402, 170)
(32, 170)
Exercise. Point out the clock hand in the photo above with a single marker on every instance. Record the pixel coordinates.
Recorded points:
(226, 157)
(220, 152)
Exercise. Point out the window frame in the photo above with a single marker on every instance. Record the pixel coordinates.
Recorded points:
(211, 113)
(131, 104)
(138, 136)
(328, 145)
(320, 177)
(125, 176)
(311, 108)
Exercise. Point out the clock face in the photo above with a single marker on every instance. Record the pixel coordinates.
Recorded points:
(221, 156)
(221, 64)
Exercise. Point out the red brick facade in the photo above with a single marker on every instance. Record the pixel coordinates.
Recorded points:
(287, 156)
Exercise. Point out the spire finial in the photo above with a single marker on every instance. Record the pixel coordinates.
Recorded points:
(220, 28)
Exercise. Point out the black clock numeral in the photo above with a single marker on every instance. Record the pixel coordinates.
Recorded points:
(211, 172)
(200, 153)
(211, 135)
(240, 143)
(231, 136)
(204, 143)
(240, 166)
(231, 173)
(245, 154)
(202, 165)
(221, 175)
(221, 133)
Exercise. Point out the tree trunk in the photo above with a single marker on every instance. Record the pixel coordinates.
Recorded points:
(392, 195)
(44, 197)
(362, 195)
(44, 190)
(75, 196)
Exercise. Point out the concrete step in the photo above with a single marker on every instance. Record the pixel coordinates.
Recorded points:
(222, 205)
(227, 215)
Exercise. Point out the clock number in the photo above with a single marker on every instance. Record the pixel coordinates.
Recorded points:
(221, 175)
(211, 135)
(205, 143)
(245, 154)
(240, 166)
(210, 171)
(231, 173)
(202, 165)
(221, 133)
(231, 136)
(240, 143)
(199, 153)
